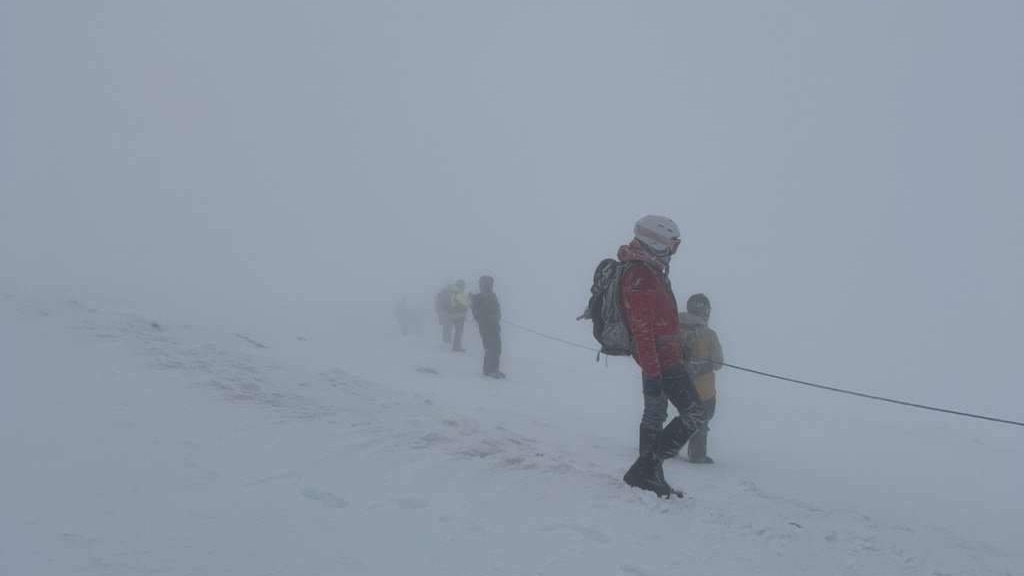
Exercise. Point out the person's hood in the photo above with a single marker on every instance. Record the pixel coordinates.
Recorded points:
(635, 252)
(486, 284)
(688, 319)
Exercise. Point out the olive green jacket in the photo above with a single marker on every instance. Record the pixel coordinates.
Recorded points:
(700, 343)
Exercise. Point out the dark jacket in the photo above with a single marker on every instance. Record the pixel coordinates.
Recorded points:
(486, 309)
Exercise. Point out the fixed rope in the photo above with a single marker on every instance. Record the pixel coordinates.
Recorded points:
(870, 396)
(800, 382)
(549, 337)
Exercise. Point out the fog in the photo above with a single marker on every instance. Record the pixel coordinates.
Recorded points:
(847, 177)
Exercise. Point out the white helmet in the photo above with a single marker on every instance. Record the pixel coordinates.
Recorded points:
(659, 233)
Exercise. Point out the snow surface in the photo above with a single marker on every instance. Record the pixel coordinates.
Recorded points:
(136, 444)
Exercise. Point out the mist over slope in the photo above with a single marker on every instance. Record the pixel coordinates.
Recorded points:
(846, 177)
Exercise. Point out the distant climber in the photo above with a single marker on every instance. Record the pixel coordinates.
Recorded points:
(487, 313)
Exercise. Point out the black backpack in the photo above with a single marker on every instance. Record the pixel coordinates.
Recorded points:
(605, 309)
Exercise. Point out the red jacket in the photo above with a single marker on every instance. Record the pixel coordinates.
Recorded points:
(651, 311)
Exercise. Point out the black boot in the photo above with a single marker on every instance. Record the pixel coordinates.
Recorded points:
(660, 472)
(672, 438)
(646, 474)
(697, 447)
(648, 437)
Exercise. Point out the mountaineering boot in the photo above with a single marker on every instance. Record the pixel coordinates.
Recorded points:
(660, 472)
(643, 474)
(697, 448)
(672, 438)
(648, 436)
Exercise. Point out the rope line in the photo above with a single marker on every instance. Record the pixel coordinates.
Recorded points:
(554, 338)
(800, 382)
(870, 396)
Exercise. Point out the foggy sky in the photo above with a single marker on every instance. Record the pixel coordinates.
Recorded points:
(847, 176)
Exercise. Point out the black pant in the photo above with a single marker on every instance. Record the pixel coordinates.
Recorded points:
(490, 334)
(676, 387)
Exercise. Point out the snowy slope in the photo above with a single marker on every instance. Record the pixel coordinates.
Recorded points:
(135, 444)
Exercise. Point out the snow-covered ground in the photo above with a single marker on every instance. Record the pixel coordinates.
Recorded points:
(134, 443)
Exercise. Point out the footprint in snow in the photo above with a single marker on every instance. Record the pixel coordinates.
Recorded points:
(585, 532)
(324, 497)
(251, 341)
